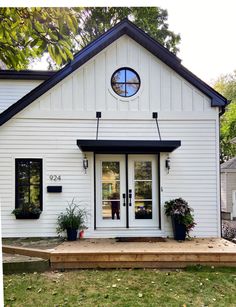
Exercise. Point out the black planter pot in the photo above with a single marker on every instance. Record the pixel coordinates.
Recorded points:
(178, 229)
(27, 216)
(72, 234)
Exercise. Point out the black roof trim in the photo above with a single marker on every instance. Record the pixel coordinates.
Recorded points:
(26, 74)
(127, 146)
(123, 27)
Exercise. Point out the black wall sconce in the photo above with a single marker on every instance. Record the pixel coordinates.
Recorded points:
(85, 163)
(168, 164)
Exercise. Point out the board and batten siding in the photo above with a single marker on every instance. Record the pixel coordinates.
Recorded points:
(12, 90)
(192, 176)
(50, 126)
(88, 89)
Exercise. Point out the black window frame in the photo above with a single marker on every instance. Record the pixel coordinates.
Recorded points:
(125, 83)
(17, 161)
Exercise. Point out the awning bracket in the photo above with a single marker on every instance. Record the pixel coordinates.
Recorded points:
(155, 116)
(98, 116)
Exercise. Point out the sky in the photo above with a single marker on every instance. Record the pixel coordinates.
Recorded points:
(207, 29)
(208, 35)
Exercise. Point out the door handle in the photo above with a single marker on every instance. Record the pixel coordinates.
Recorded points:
(124, 197)
(130, 197)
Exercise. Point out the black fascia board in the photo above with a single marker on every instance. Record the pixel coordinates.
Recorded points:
(92, 49)
(127, 146)
(26, 74)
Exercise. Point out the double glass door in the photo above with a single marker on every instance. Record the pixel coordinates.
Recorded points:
(126, 191)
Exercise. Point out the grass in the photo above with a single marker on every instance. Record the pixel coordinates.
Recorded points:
(196, 286)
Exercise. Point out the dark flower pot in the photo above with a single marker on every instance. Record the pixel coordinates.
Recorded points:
(72, 234)
(27, 216)
(179, 229)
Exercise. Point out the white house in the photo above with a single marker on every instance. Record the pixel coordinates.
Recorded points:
(127, 106)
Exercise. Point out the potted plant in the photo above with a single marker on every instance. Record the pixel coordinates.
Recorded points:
(181, 216)
(72, 220)
(27, 211)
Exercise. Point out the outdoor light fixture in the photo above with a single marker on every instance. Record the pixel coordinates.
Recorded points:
(85, 163)
(168, 164)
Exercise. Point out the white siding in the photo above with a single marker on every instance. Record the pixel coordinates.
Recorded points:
(192, 175)
(12, 90)
(230, 187)
(223, 192)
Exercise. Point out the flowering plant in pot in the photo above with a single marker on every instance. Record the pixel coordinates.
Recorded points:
(181, 216)
(27, 211)
(72, 220)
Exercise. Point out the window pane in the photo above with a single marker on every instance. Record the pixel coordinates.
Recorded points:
(119, 89)
(23, 196)
(111, 190)
(23, 172)
(110, 170)
(143, 170)
(131, 89)
(111, 210)
(131, 77)
(125, 82)
(35, 172)
(28, 183)
(119, 76)
(143, 210)
(35, 195)
(143, 190)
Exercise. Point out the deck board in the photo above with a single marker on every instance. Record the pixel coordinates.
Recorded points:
(107, 253)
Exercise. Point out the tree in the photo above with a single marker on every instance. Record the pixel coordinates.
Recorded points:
(28, 33)
(153, 20)
(226, 85)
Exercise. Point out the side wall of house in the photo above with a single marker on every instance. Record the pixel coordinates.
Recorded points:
(12, 90)
(231, 186)
(223, 192)
(50, 126)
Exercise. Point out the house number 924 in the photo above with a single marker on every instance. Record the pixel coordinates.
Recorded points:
(55, 177)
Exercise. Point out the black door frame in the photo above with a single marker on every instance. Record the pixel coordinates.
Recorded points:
(127, 187)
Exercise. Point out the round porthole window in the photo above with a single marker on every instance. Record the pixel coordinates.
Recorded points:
(125, 82)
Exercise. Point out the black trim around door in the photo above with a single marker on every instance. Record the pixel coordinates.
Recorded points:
(159, 188)
(95, 191)
(127, 189)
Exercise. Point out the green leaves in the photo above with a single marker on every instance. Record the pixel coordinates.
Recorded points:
(226, 85)
(27, 33)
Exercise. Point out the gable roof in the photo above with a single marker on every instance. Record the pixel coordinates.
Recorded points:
(92, 49)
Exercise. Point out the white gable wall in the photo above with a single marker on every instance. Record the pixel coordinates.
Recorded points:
(50, 126)
(12, 90)
(88, 89)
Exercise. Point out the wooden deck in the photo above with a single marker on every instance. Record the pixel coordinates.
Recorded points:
(107, 253)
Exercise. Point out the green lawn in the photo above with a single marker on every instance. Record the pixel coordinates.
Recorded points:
(193, 287)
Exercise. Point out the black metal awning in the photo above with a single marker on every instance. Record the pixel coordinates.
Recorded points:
(127, 146)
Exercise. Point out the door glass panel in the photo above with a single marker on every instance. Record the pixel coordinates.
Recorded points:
(143, 210)
(110, 170)
(143, 170)
(143, 189)
(111, 210)
(111, 190)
